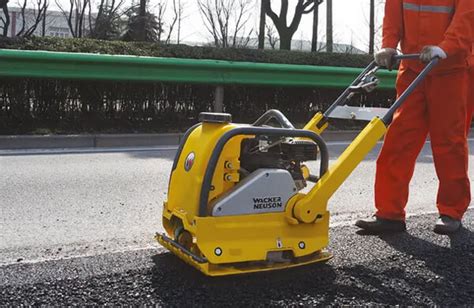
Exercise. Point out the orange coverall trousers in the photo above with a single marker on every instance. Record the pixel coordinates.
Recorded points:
(470, 97)
(437, 108)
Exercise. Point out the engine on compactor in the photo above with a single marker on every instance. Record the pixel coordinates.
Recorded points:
(277, 153)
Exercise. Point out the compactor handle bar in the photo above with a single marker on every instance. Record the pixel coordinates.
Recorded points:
(421, 76)
(372, 68)
(411, 56)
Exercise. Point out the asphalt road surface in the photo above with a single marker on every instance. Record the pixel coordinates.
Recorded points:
(78, 228)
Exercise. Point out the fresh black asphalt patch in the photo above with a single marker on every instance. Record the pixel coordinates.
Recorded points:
(413, 268)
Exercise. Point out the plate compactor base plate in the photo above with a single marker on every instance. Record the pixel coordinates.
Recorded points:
(236, 268)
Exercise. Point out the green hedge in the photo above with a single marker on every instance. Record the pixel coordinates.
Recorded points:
(184, 51)
(66, 106)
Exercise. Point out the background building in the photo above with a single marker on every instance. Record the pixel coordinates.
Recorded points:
(55, 23)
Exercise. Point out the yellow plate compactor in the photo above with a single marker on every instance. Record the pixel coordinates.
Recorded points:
(235, 201)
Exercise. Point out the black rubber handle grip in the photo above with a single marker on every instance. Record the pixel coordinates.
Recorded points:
(412, 56)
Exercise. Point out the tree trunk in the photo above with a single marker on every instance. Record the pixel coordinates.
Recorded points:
(285, 40)
(142, 11)
(261, 33)
(7, 20)
(280, 21)
(372, 27)
(314, 41)
(180, 10)
(142, 14)
(329, 39)
(43, 25)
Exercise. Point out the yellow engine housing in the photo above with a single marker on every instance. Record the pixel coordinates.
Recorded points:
(245, 240)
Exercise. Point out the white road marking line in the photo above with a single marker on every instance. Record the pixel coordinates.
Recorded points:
(159, 249)
(350, 222)
(87, 150)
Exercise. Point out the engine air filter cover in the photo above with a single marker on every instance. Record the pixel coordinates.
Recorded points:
(215, 117)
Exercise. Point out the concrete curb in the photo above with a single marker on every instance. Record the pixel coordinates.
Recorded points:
(121, 140)
(87, 141)
(25, 142)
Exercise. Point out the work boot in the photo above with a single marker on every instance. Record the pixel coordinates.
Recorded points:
(447, 225)
(377, 225)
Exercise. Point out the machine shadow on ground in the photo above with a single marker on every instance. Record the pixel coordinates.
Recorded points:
(265, 288)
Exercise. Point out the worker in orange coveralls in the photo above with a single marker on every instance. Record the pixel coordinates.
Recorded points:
(438, 107)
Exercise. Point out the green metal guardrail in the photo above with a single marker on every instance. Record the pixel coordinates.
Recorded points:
(61, 65)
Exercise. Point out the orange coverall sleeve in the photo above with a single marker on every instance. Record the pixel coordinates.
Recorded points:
(393, 24)
(459, 36)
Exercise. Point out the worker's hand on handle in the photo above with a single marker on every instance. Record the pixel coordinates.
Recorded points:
(384, 57)
(428, 53)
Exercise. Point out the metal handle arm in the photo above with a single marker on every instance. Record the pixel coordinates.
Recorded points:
(342, 99)
(274, 114)
(387, 119)
(371, 69)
